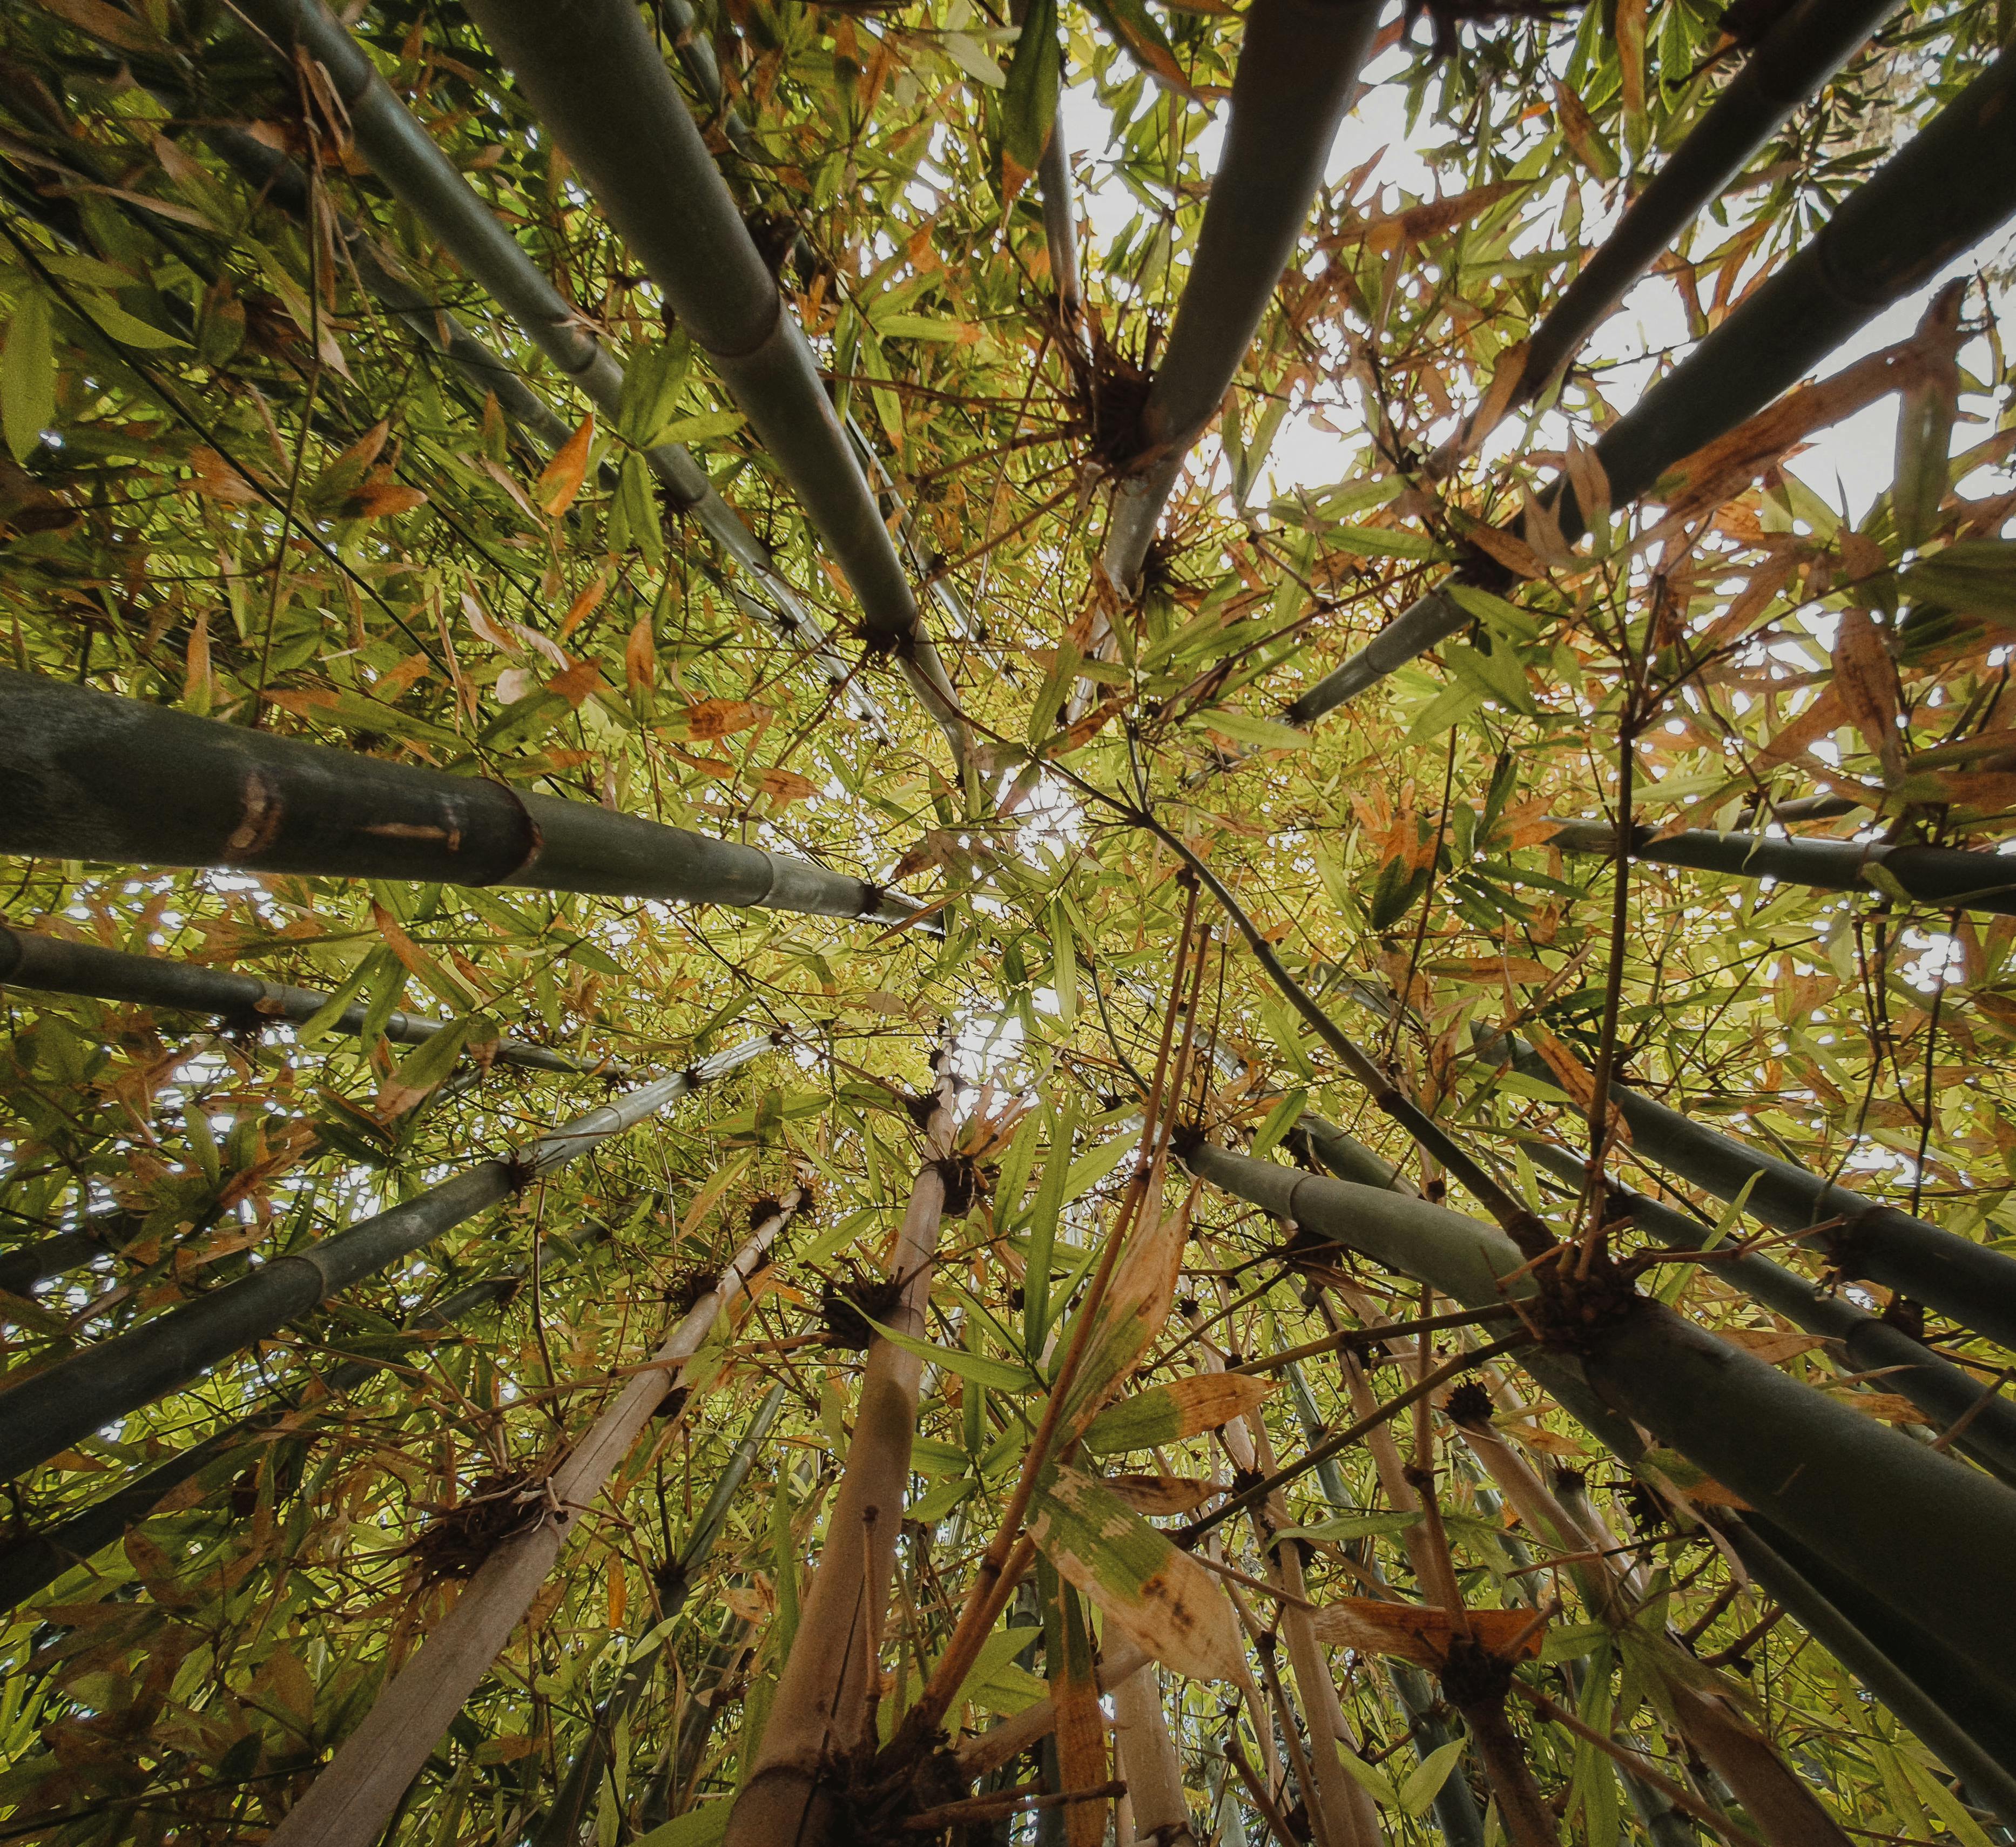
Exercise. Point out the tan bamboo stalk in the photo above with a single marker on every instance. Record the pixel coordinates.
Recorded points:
(350, 1803)
(1349, 1814)
(821, 1706)
(1149, 1763)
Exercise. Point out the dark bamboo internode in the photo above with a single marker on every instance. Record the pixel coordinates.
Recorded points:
(54, 965)
(1966, 1281)
(1298, 65)
(1807, 44)
(46, 1412)
(1946, 190)
(94, 777)
(1940, 878)
(592, 74)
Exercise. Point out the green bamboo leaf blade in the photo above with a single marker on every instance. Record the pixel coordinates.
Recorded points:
(1003, 1375)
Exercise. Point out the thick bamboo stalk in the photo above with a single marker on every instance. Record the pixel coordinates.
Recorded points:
(350, 1802)
(821, 1706)
(1964, 1280)
(405, 156)
(1810, 41)
(1916, 1528)
(562, 1824)
(22, 1266)
(1946, 877)
(1946, 1393)
(1945, 191)
(1297, 71)
(93, 776)
(51, 965)
(591, 72)
(1969, 1726)
(34, 1561)
(49, 1410)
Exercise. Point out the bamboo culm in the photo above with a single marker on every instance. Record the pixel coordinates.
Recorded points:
(1965, 1281)
(1946, 190)
(1945, 877)
(51, 965)
(597, 81)
(47, 1412)
(1946, 1393)
(1929, 1531)
(95, 777)
(1809, 42)
(34, 1561)
(350, 1803)
(407, 159)
(562, 1824)
(1297, 71)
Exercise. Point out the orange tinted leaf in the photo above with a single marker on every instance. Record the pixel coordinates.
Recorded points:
(560, 479)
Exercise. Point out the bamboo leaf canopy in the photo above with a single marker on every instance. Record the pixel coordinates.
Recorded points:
(941, 921)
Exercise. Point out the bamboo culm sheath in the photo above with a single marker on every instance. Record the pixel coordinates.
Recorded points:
(1919, 1530)
(93, 776)
(53, 965)
(1945, 191)
(350, 1803)
(47, 1412)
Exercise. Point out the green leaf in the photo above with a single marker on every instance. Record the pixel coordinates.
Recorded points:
(1029, 102)
(704, 1827)
(1268, 734)
(1355, 1526)
(1281, 1119)
(706, 427)
(1424, 1781)
(1004, 1375)
(1167, 1413)
(1976, 576)
(651, 382)
(27, 375)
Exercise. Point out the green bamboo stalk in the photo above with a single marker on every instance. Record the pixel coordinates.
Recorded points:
(1297, 71)
(355, 1797)
(1946, 1393)
(1944, 191)
(24, 1265)
(405, 155)
(49, 1410)
(51, 965)
(1968, 1725)
(592, 74)
(34, 1561)
(1810, 41)
(1947, 878)
(93, 776)
(1916, 1528)
(562, 1824)
(1965, 1281)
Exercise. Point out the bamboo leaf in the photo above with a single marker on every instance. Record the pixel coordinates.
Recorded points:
(1003, 1375)
(1167, 1414)
(28, 374)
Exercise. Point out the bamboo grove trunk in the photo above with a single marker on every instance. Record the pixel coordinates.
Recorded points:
(49, 1410)
(51, 965)
(350, 1802)
(95, 777)
(821, 1707)
(1299, 66)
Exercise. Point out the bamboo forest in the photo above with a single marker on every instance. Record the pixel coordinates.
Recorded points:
(1016, 922)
